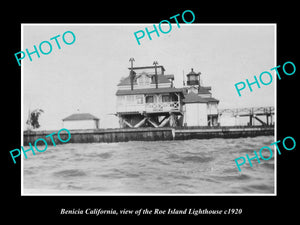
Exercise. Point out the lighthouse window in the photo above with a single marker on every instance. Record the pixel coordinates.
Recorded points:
(166, 98)
(193, 78)
(149, 99)
(121, 100)
(139, 99)
(143, 80)
(130, 98)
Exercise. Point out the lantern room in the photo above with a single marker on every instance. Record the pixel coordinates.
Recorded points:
(193, 78)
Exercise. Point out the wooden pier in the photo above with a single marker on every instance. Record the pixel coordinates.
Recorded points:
(222, 132)
(252, 113)
(151, 134)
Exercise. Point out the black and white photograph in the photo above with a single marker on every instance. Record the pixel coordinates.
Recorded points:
(149, 111)
(177, 114)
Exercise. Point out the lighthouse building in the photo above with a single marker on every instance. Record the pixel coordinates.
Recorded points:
(200, 108)
(147, 98)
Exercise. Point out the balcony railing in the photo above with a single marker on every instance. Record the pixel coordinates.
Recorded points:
(150, 107)
(162, 107)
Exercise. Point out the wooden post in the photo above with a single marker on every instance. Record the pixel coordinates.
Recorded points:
(178, 101)
(131, 73)
(121, 124)
(250, 122)
(251, 117)
(271, 122)
(156, 78)
(172, 120)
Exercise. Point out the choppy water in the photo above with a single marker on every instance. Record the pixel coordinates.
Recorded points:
(161, 167)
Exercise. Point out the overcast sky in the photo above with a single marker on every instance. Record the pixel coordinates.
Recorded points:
(84, 76)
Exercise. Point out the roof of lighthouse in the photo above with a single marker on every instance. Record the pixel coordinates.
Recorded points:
(161, 79)
(201, 89)
(195, 98)
(193, 73)
(149, 91)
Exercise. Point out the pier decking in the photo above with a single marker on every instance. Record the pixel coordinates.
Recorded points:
(150, 134)
(252, 113)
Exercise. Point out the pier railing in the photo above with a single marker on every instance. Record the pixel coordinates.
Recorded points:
(248, 111)
(151, 107)
(228, 127)
(252, 113)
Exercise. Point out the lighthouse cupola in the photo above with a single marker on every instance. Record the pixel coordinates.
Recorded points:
(193, 78)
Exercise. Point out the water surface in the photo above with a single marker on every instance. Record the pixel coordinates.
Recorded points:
(160, 167)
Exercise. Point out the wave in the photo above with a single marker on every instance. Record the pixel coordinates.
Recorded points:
(159, 162)
(173, 156)
(195, 159)
(268, 165)
(260, 187)
(193, 166)
(257, 188)
(232, 177)
(105, 155)
(69, 173)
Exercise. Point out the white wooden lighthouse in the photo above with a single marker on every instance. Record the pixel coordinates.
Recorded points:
(200, 108)
(148, 98)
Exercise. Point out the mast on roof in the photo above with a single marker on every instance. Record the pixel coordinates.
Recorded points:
(131, 73)
(155, 63)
